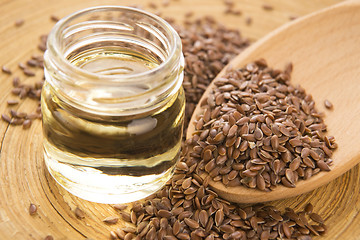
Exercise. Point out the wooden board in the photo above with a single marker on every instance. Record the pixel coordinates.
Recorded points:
(23, 178)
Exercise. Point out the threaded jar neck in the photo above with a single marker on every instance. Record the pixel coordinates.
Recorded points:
(114, 60)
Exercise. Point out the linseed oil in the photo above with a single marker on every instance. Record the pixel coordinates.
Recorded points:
(91, 150)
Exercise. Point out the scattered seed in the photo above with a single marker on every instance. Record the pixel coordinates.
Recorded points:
(316, 217)
(54, 18)
(12, 102)
(16, 82)
(152, 5)
(32, 63)
(111, 220)
(328, 104)
(32, 209)
(292, 17)
(19, 22)
(28, 72)
(26, 124)
(49, 237)
(6, 70)
(6, 118)
(267, 7)
(78, 212)
(120, 206)
(248, 20)
(309, 208)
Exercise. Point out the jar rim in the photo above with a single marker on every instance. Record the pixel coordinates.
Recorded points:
(53, 44)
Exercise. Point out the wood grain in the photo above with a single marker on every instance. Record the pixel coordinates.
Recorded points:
(23, 178)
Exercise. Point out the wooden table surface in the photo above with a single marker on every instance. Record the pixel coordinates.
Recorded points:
(23, 178)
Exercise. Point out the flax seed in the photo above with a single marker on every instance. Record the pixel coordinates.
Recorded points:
(328, 104)
(32, 209)
(112, 220)
(79, 213)
(19, 22)
(6, 70)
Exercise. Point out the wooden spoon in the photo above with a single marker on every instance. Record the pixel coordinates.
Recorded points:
(324, 48)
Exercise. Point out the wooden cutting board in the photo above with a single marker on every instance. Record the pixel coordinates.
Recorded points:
(23, 178)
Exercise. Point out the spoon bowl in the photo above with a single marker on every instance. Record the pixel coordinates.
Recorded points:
(324, 48)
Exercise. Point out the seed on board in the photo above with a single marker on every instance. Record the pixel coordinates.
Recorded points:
(152, 5)
(120, 206)
(248, 20)
(27, 123)
(328, 104)
(111, 220)
(12, 102)
(16, 82)
(267, 7)
(28, 72)
(49, 237)
(54, 18)
(32, 63)
(309, 208)
(79, 213)
(292, 17)
(6, 70)
(316, 217)
(32, 209)
(6, 118)
(19, 22)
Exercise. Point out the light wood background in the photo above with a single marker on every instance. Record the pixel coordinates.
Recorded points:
(23, 178)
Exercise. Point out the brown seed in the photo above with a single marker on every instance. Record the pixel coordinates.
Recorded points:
(120, 233)
(32, 63)
(317, 218)
(42, 47)
(28, 72)
(12, 102)
(111, 220)
(232, 131)
(133, 217)
(120, 206)
(6, 118)
(290, 176)
(19, 22)
(79, 213)
(16, 82)
(164, 213)
(6, 70)
(32, 209)
(248, 20)
(219, 217)
(322, 165)
(295, 164)
(176, 227)
(49, 237)
(274, 142)
(125, 216)
(309, 208)
(260, 182)
(191, 223)
(27, 124)
(328, 104)
(267, 7)
(258, 134)
(54, 18)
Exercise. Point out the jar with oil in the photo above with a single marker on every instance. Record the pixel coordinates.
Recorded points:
(112, 103)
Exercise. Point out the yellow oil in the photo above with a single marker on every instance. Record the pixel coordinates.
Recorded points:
(105, 158)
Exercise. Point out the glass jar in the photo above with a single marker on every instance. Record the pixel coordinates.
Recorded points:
(112, 103)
